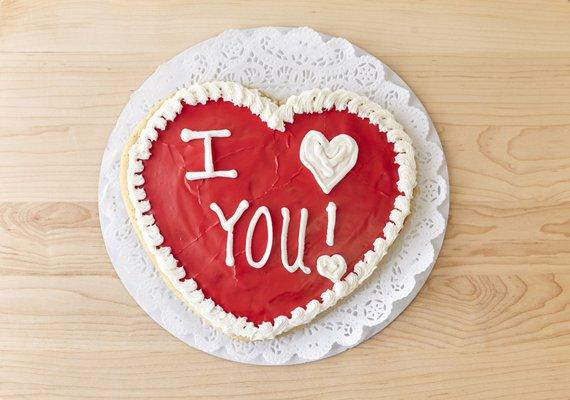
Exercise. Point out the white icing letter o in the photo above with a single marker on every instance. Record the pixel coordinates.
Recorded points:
(249, 238)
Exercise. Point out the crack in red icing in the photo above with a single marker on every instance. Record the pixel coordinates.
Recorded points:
(269, 174)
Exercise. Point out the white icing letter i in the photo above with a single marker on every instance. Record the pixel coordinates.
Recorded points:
(331, 215)
(300, 244)
(187, 135)
(228, 226)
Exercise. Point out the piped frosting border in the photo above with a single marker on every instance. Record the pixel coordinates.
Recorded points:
(275, 116)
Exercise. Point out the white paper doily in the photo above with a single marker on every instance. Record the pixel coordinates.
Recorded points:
(282, 62)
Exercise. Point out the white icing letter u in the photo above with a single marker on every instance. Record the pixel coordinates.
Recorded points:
(248, 239)
(298, 264)
(228, 226)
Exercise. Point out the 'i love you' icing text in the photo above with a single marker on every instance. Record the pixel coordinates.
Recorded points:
(328, 161)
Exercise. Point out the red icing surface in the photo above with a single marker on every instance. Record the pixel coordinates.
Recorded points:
(270, 174)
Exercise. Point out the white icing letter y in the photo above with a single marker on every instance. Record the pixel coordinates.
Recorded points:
(228, 226)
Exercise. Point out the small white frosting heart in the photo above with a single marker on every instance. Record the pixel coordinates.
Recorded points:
(328, 161)
(331, 267)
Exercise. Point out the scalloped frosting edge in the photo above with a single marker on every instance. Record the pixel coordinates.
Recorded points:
(275, 116)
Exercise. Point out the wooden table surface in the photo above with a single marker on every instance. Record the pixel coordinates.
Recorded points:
(493, 320)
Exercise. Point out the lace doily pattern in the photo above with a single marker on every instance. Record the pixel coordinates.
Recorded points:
(282, 62)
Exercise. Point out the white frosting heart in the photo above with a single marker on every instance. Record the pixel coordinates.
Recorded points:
(331, 267)
(329, 162)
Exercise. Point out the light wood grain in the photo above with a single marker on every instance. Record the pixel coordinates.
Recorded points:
(493, 321)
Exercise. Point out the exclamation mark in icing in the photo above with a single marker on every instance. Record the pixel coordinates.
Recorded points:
(331, 214)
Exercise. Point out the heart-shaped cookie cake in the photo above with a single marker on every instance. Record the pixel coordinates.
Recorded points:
(260, 215)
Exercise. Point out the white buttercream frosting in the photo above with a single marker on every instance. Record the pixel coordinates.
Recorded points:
(329, 162)
(312, 101)
(331, 267)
